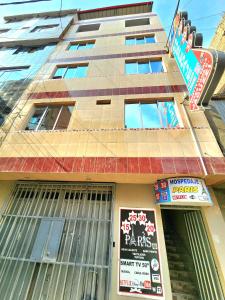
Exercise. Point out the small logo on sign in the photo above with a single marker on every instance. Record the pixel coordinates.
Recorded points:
(156, 278)
(154, 264)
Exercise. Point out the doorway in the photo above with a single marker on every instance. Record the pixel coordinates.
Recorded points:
(192, 268)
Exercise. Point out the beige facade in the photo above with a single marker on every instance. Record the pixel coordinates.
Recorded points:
(218, 43)
(97, 147)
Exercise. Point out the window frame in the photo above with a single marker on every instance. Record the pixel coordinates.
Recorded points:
(152, 101)
(139, 61)
(47, 106)
(83, 25)
(67, 67)
(135, 37)
(136, 20)
(39, 28)
(78, 43)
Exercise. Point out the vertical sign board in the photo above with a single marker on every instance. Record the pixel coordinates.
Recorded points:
(139, 262)
(178, 191)
(200, 68)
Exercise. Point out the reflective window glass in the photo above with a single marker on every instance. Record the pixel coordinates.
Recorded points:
(73, 47)
(131, 68)
(90, 45)
(132, 116)
(140, 40)
(130, 41)
(35, 119)
(143, 68)
(168, 114)
(150, 115)
(81, 71)
(64, 118)
(146, 67)
(59, 73)
(160, 114)
(81, 46)
(50, 117)
(150, 39)
(157, 66)
(71, 72)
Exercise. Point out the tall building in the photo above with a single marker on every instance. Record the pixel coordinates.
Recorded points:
(25, 44)
(216, 109)
(103, 125)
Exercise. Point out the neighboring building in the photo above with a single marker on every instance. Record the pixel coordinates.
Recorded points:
(215, 111)
(26, 42)
(101, 122)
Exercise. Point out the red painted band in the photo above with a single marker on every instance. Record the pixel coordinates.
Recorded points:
(129, 165)
(116, 7)
(109, 92)
(109, 56)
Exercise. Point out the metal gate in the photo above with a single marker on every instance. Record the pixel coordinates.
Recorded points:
(207, 276)
(55, 242)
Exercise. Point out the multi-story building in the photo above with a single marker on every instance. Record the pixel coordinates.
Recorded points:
(101, 122)
(215, 111)
(26, 42)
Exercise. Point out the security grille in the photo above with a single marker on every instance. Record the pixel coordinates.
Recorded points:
(55, 242)
(206, 272)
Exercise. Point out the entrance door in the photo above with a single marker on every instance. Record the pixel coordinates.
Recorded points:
(55, 242)
(192, 269)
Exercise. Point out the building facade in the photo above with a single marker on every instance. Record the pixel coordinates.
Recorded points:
(103, 121)
(26, 42)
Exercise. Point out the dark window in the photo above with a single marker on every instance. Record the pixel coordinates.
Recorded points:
(91, 27)
(28, 49)
(3, 30)
(157, 114)
(103, 102)
(44, 27)
(137, 22)
(81, 45)
(52, 117)
(144, 67)
(71, 72)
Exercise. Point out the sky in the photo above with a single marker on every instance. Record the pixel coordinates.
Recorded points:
(204, 14)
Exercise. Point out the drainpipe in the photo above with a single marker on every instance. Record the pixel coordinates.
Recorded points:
(196, 143)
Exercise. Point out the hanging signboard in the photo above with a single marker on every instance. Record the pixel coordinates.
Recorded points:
(200, 68)
(178, 191)
(139, 262)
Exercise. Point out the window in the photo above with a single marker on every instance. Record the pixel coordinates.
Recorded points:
(103, 102)
(90, 27)
(3, 30)
(157, 114)
(137, 22)
(23, 50)
(140, 40)
(144, 67)
(44, 27)
(51, 117)
(81, 45)
(71, 72)
(13, 73)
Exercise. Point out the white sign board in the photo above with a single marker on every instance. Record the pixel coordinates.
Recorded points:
(187, 191)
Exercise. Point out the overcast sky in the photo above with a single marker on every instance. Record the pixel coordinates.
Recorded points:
(204, 14)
